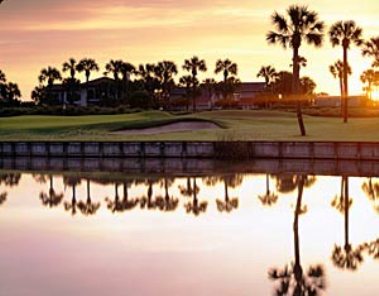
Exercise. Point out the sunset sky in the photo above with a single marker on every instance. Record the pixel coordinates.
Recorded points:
(38, 33)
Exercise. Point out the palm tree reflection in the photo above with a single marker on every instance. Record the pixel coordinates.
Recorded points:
(167, 203)
(346, 257)
(88, 208)
(72, 206)
(8, 180)
(372, 192)
(125, 204)
(195, 207)
(51, 199)
(269, 198)
(147, 201)
(292, 279)
(229, 204)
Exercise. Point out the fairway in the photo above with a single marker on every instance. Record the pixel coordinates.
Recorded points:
(235, 125)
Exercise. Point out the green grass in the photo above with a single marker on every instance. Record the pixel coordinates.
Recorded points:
(236, 125)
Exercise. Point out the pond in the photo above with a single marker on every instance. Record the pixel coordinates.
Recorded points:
(185, 232)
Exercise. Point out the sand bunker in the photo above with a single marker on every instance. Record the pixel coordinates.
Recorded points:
(170, 128)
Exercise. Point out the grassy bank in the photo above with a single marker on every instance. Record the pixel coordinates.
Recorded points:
(236, 125)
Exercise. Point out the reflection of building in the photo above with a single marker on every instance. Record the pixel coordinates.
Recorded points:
(335, 101)
(245, 95)
(84, 94)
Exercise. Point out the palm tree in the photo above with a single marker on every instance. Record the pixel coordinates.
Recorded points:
(303, 24)
(372, 192)
(164, 72)
(50, 75)
(126, 69)
(70, 66)
(114, 67)
(194, 65)
(87, 66)
(337, 71)
(346, 257)
(345, 34)
(269, 198)
(369, 77)
(147, 201)
(51, 199)
(227, 68)
(269, 74)
(292, 280)
(371, 48)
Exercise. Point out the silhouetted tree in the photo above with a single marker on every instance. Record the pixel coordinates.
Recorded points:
(187, 82)
(369, 76)
(50, 75)
(164, 73)
(302, 25)
(70, 66)
(229, 204)
(371, 48)
(337, 70)
(193, 66)
(87, 66)
(345, 34)
(210, 85)
(125, 204)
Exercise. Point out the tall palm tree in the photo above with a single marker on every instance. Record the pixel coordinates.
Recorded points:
(293, 280)
(345, 34)
(114, 67)
(52, 198)
(369, 77)
(70, 66)
(269, 198)
(87, 66)
(371, 48)
(194, 65)
(337, 70)
(302, 25)
(50, 74)
(346, 257)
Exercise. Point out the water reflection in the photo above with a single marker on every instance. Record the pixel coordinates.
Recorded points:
(276, 214)
(291, 279)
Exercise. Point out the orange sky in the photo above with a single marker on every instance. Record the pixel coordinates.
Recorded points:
(38, 33)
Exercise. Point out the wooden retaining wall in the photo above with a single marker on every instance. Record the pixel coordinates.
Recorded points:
(254, 150)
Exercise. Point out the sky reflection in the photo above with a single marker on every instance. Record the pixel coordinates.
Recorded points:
(208, 235)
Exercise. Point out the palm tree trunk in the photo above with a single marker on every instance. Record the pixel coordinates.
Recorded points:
(226, 191)
(345, 84)
(295, 90)
(51, 183)
(267, 185)
(125, 191)
(88, 190)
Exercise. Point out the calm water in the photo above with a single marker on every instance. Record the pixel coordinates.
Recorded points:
(238, 234)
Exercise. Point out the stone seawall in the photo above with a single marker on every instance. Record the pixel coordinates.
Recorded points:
(252, 150)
